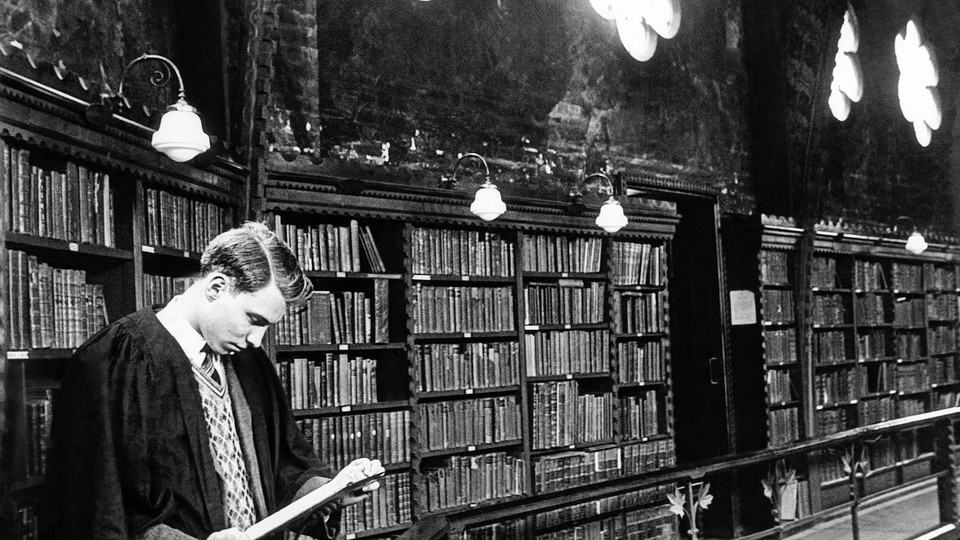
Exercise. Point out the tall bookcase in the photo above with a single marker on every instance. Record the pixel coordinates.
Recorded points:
(97, 224)
(851, 330)
(527, 358)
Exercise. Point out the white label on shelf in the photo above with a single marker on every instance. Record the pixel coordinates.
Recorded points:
(343, 346)
(421, 277)
(743, 307)
(464, 278)
(345, 408)
(73, 246)
(854, 401)
(533, 327)
(471, 448)
(148, 249)
(567, 327)
(569, 375)
(468, 391)
(352, 536)
(564, 274)
(893, 392)
(17, 355)
(819, 407)
(341, 274)
(644, 439)
(572, 446)
(186, 254)
(858, 290)
(815, 289)
(468, 335)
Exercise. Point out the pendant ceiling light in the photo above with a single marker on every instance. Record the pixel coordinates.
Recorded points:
(640, 22)
(846, 86)
(919, 77)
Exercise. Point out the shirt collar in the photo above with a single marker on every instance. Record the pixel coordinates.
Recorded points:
(189, 339)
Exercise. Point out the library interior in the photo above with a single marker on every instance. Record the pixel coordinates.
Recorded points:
(581, 269)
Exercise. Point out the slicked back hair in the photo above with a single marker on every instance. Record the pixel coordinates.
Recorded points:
(252, 256)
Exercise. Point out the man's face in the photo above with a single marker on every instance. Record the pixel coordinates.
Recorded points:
(235, 321)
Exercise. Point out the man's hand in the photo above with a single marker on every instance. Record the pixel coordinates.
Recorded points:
(370, 467)
(232, 533)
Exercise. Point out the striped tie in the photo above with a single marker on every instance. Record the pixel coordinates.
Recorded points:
(209, 367)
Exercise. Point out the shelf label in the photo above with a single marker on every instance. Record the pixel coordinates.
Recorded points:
(464, 278)
(421, 277)
(343, 346)
(567, 327)
(572, 446)
(341, 274)
(352, 536)
(533, 327)
(17, 355)
(471, 448)
(468, 391)
(345, 408)
(73, 246)
(569, 376)
(468, 335)
(743, 307)
(148, 249)
(186, 254)
(564, 274)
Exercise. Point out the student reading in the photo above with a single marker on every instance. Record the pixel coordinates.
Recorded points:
(173, 424)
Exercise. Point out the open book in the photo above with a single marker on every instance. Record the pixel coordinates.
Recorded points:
(351, 479)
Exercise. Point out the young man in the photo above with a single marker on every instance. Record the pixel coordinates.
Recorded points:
(174, 425)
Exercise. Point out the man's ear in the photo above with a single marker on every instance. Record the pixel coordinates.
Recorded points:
(217, 286)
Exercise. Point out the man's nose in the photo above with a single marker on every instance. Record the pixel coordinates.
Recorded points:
(255, 337)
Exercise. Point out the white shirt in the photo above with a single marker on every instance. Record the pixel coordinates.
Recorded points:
(189, 339)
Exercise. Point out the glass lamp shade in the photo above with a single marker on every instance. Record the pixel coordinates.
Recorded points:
(488, 205)
(181, 135)
(611, 218)
(916, 244)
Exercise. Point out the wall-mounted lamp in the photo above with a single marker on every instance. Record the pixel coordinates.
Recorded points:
(180, 135)
(487, 204)
(611, 217)
(916, 243)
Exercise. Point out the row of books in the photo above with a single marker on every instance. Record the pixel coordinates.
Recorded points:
(832, 421)
(565, 302)
(778, 306)
(945, 400)
(469, 422)
(463, 309)
(336, 380)
(648, 456)
(911, 406)
(543, 253)
(39, 414)
(73, 204)
(781, 387)
(329, 247)
(909, 346)
(874, 411)
(784, 425)
(869, 276)
(638, 312)
(872, 345)
(823, 272)
(868, 309)
(461, 253)
(835, 386)
(158, 290)
(780, 346)
(939, 278)
(503, 530)
(645, 523)
(339, 317)
(942, 307)
(339, 440)
(50, 307)
(640, 416)
(880, 453)
(828, 309)
(456, 366)
(911, 377)
(606, 505)
(910, 313)
(571, 351)
(638, 264)
(470, 479)
(640, 361)
(570, 469)
(907, 277)
(180, 222)
(830, 347)
(774, 267)
(879, 377)
(941, 339)
(943, 370)
(562, 417)
(388, 506)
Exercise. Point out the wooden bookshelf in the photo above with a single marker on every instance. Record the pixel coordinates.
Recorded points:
(76, 251)
(529, 346)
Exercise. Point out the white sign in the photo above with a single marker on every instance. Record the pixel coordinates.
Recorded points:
(743, 308)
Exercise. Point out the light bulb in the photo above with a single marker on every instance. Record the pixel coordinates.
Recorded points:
(611, 217)
(488, 205)
(916, 243)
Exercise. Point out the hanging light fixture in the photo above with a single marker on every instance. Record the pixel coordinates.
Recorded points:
(916, 243)
(487, 203)
(180, 135)
(611, 217)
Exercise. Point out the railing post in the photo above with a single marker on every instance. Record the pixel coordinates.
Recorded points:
(944, 461)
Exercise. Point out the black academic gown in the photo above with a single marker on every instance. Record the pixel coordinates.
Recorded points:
(129, 446)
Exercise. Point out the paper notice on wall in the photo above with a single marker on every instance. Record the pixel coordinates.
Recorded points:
(743, 307)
